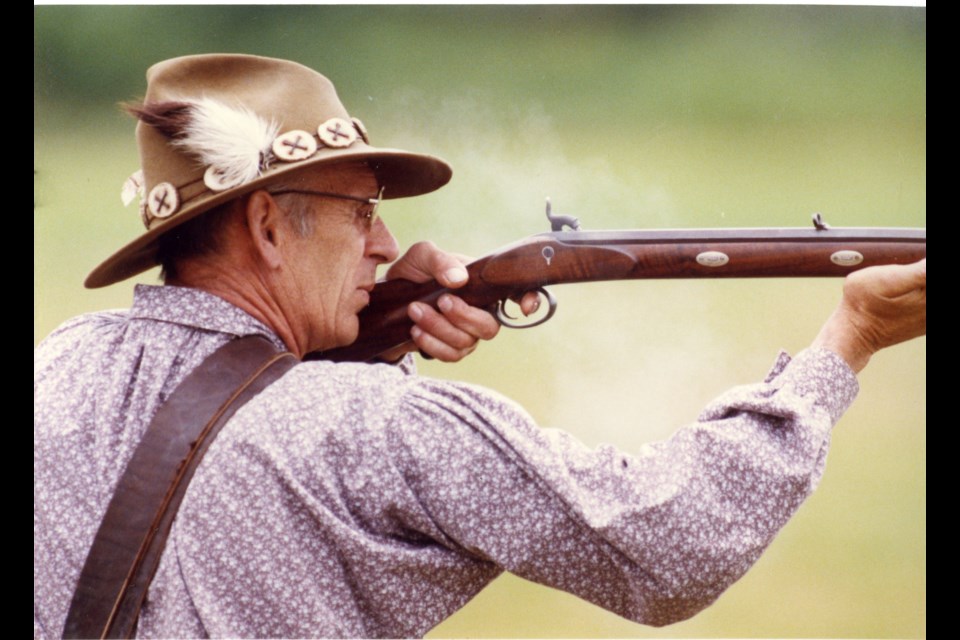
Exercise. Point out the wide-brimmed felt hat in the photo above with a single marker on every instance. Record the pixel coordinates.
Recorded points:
(214, 127)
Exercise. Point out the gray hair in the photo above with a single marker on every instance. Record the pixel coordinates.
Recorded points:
(203, 235)
(300, 215)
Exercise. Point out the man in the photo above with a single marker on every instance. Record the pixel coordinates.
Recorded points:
(364, 500)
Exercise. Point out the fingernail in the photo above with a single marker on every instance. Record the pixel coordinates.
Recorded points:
(416, 312)
(415, 332)
(445, 303)
(536, 305)
(455, 275)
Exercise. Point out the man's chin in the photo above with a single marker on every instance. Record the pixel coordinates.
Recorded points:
(348, 333)
(339, 339)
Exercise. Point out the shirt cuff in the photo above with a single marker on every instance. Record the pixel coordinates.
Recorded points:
(820, 373)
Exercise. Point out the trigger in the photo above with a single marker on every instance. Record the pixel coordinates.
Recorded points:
(506, 320)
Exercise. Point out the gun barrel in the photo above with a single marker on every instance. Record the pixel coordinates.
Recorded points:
(564, 257)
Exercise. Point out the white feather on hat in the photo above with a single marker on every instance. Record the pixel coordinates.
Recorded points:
(233, 140)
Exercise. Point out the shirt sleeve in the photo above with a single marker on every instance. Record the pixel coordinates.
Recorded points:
(654, 536)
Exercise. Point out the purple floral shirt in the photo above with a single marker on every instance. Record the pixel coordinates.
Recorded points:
(353, 500)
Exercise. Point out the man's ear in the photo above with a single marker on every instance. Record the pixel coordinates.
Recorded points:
(265, 224)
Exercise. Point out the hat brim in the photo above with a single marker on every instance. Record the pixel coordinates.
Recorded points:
(401, 173)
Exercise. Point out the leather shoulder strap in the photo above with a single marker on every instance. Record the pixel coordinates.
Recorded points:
(127, 549)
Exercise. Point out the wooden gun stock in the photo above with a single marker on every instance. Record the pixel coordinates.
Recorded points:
(560, 257)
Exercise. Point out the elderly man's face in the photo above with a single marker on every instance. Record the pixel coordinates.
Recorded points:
(332, 270)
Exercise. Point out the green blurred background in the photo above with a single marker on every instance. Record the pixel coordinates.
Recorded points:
(627, 116)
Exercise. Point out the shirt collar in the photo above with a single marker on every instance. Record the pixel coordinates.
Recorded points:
(198, 309)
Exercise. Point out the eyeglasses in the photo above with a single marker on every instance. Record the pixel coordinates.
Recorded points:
(369, 216)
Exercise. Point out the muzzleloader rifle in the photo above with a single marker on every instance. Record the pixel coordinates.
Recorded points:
(567, 254)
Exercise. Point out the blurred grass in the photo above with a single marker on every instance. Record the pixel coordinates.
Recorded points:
(628, 116)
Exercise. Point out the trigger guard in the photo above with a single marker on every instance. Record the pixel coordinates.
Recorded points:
(506, 320)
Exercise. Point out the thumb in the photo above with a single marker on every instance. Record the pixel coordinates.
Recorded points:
(445, 268)
(424, 261)
(889, 281)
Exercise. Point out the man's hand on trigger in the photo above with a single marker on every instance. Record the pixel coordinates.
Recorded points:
(881, 306)
(453, 332)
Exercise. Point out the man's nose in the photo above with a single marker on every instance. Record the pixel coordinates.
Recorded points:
(381, 244)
